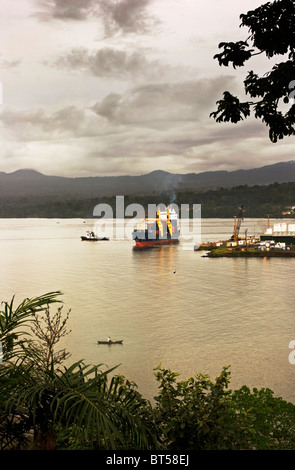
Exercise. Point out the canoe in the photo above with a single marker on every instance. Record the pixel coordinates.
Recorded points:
(111, 342)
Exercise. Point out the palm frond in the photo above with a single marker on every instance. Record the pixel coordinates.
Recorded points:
(13, 318)
(112, 413)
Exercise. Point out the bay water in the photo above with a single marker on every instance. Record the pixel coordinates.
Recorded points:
(170, 305)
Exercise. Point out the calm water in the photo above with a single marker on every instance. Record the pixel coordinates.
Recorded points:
(209, 314)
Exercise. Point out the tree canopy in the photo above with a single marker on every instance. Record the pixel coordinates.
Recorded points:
(271, 28)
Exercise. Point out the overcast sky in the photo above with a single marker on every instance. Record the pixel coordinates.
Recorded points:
(112, 87)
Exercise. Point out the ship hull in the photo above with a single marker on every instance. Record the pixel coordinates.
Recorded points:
(93, 239)
(151, 243)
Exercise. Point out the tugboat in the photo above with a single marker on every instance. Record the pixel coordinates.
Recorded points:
(90, 236)
(161, 230)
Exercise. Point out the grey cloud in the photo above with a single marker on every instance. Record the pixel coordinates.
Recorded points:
(161, 121)
(30, 125)
(127, 16)
(94, 139)
(109, 107)
(9, 64)
(147, 106)
(159, 105)
(110, 62)
(176, 113)
(215, 134)
(66, 9)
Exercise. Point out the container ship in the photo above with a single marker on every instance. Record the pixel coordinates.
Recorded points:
(161, 230)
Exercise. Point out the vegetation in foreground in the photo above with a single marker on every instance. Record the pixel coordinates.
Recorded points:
(45, 405)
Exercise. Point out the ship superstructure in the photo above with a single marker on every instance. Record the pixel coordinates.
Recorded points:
(161, 230)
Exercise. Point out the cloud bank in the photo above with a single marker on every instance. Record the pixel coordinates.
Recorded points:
(123, 87)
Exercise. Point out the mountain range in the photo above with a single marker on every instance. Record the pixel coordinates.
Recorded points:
(28, 182)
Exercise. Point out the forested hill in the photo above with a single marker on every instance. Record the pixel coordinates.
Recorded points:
(258, 201)
(32, 183)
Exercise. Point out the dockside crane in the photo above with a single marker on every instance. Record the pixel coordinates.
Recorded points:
(237, 223)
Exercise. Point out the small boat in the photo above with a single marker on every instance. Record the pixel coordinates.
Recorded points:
(111, 342)
(91, 237)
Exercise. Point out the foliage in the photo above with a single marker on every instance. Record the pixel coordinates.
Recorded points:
(197, 413)
(271, 28)
(113, 415)
(48, 330)
(271, 418)
(259, 200)
(103, 415)
(11, 319)
(39, 394)
(47, 405)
